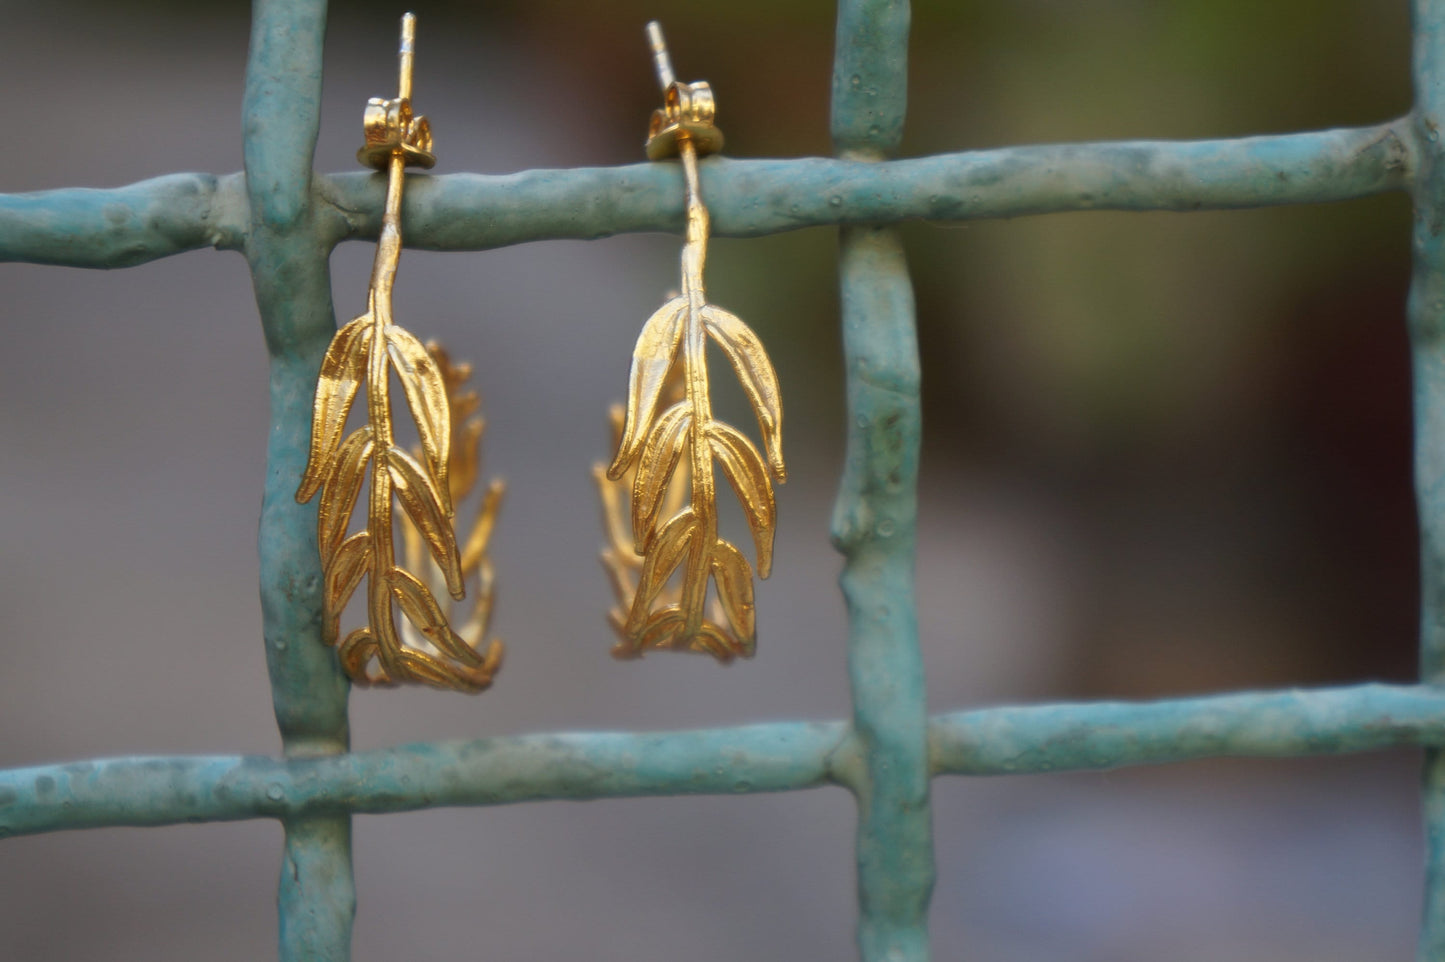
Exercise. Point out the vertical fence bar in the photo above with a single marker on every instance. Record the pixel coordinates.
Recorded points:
(316, 900)
(1427, 335)
(875, 520)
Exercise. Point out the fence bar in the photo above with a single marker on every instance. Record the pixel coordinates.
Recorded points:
(288, 258)
(754, 758)
(875, 519)
(874, 525)
(124, 226)
(120, 227)
(486, 771)
(1076, 737)
(749, 198)
(1426, 310)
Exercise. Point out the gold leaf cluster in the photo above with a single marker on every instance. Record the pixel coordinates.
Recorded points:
(464, 467)
(367, 351)
(619, 557)
(669, 457)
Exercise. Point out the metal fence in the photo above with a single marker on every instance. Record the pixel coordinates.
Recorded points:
(286, 219)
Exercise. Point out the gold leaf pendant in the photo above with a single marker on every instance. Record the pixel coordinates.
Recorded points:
(685, 442)
(368, 351)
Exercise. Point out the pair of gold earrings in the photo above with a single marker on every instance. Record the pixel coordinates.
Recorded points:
(659, 495)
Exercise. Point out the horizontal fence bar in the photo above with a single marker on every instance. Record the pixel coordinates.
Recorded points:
(487, 771)
(753, 758)
(121, 227)
(1075, 737)
(125, 226)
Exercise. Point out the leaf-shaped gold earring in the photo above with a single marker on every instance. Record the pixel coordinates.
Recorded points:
(368, 350)
(670, 456)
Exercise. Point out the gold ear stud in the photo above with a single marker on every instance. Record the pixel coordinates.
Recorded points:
(670, 457)
(369, 350)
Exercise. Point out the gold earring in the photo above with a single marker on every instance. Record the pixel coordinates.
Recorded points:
(669, 458)
(368, 350)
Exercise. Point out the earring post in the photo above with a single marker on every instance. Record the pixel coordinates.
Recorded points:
(660, 58)
(406, 54)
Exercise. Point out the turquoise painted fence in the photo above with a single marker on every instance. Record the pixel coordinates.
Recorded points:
(286, 219)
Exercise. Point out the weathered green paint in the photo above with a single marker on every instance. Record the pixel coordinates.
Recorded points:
(870, 77)
(874, 525)
(316, 900)
(1012, 740)
(1426, 312)
(293, 291)
(83, 227)
(751, 198)
(486, 771)
(1092, 735)
(875, 519)
(124, 226)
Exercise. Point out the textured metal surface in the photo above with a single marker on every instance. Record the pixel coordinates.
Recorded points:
(487, 771)
(1426, 311)
(1013, 740)
(875, 519)
(874, 525)
(1093, 735)
(747, 198)
(286, 220)
(290, 275)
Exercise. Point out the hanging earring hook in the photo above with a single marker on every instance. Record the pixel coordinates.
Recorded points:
(373, 350)
(670, 448)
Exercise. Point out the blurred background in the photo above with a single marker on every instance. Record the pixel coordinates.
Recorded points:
(1166, 454)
